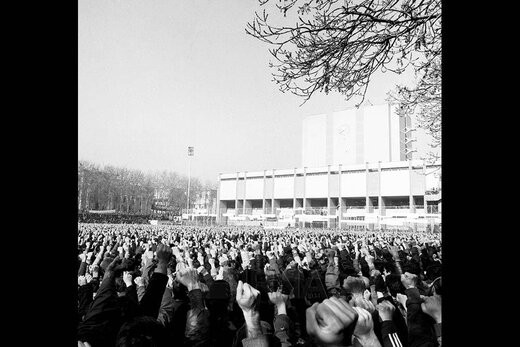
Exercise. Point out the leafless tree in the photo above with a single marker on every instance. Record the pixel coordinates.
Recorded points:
(129, 191)
(337, 45)
(424, 100)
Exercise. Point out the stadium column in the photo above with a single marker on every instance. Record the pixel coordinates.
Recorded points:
(340, 202)
(411, 201)
(263, 196)
(424, 190)
(294, 191)
(304, 189)
(380, 202)
(218, 199)
(236, 197)
(368, 202)
(245, 192)
(328, 196)
(272, 196)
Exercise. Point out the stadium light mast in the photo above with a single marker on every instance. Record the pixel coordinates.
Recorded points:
(190, 154)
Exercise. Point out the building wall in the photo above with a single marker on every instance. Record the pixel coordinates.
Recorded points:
(314, 140)
(284, 187)
(353, 136)
(376, 133)
(268, 186)
(255, 188)
(395, 182)
(299, 187)
(334, 185)
(316, 186)
(418, 180)
(241, 192)
(353, 184)
(432, 178)
(228, 189)
(373, 183)
(395, 135)
(344, 133)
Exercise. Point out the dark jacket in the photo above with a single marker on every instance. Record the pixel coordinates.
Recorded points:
(85, 298)
(197, 321)
(421, 332)
(390, 336)
(108, 312)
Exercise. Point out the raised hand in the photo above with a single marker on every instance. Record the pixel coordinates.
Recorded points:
(394, 251)
(432, 306)
(115, 265)
(171, 279)
(200, 259)
(82, 280)
(279, 300)
(164, 253)
(268, 271)
(367, 294)
(409, 280)
(364, 324)
(127, 278)
(246, 297)
(386, 310)
(139, 281)
(360, 302)
(364, 330)
(189, 277)
(211, 262)
(327, 320)
(222, 259)
(177, 253)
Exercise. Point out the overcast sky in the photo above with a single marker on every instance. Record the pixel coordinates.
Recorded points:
(158, 76)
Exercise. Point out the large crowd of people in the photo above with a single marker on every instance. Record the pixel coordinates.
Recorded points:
(172, 285)
(115, 218)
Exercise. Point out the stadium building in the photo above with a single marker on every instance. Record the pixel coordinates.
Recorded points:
(371, 195)
(358, 172)
(356, 136)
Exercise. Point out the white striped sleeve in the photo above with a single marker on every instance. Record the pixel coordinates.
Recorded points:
(394, 339)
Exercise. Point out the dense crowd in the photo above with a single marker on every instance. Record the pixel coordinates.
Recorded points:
(144, 285)
(114, 218)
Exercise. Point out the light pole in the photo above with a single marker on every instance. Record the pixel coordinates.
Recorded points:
(190, 154)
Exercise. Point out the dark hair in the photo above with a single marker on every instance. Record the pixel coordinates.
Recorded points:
(394, 284)
(380, 284)
(433, 271)
(141, 332)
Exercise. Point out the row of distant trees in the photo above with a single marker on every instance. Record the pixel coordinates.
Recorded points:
(133, 191)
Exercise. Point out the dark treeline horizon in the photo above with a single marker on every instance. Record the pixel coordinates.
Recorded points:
(110, 187)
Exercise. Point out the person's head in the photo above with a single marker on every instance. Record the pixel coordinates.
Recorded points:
(141, 332)
(354, 285)
(394, 284)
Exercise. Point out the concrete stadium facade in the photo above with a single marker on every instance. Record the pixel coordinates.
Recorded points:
(372, 195)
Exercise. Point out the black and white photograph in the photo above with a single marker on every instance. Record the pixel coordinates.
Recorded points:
(259, 173)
